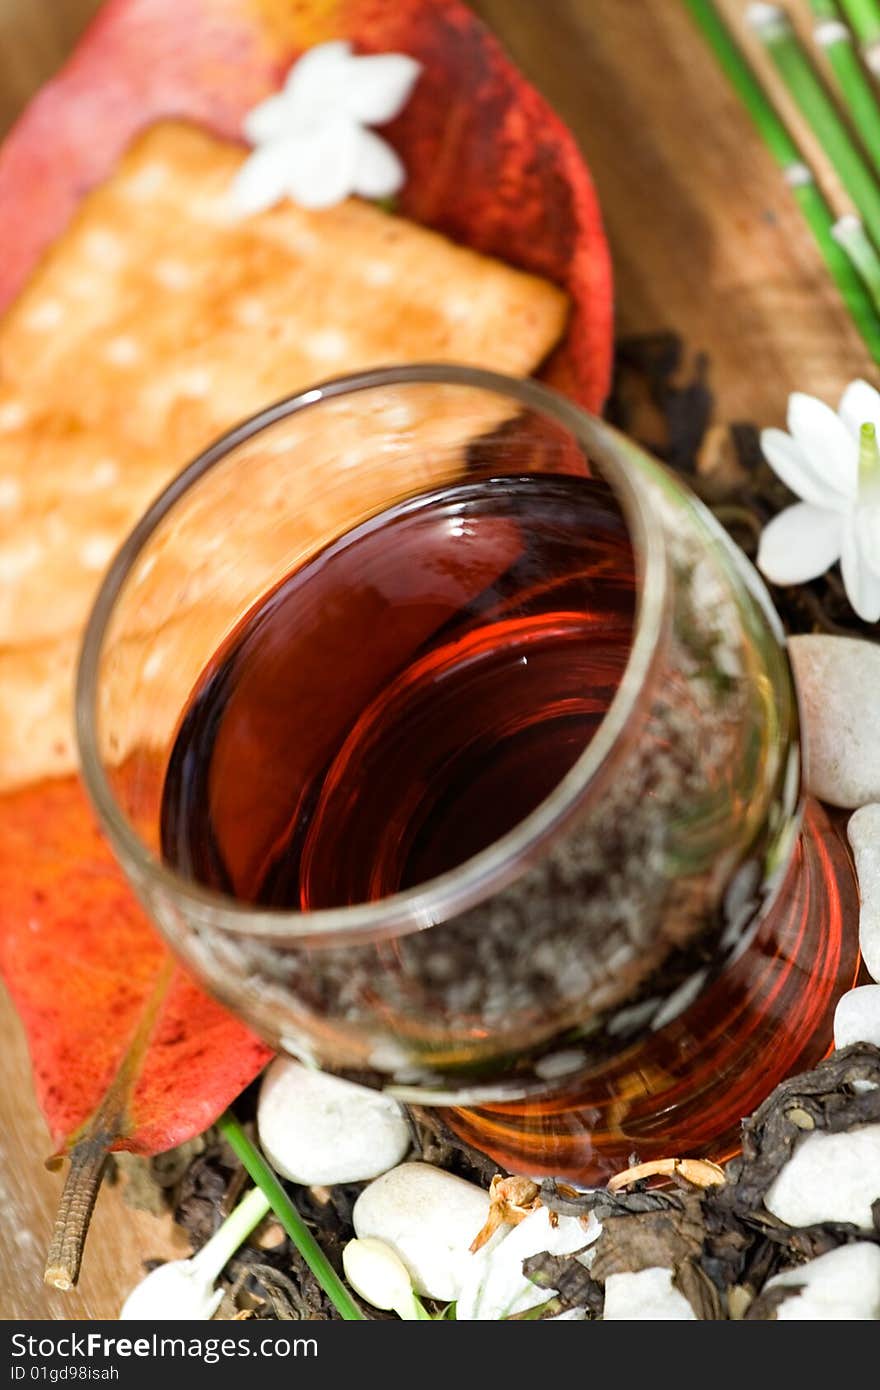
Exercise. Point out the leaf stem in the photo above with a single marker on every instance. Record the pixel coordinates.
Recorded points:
(234, 1231)
(785, 152)
(290, 1218)
(774, 29)
(849, 233)
(87, 1163)
(832, 35)
(864, 16)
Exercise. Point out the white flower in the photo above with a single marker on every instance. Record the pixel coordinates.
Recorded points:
(311, 141)
(183, 1290)
(379, 1275)
(495, 1286)
(832, 462)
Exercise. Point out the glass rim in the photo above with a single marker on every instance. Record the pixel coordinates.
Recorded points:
(494, 867)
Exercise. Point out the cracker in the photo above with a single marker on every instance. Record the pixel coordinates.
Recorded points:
(159, 320)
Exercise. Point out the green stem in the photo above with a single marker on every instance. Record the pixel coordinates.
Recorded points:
(781, 146)
(864, 17)
(834, 38)
(234, 1232)
(290, 1218)
(849, 233)
(774, 30)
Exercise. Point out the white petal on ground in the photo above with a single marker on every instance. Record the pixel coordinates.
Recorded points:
(832, 452)
(868, 535)
(862, 583)
(317, 84)
(800, 543)
(379, 172)
(379, 86)
(830, 1177)
(864, 837)
(857, 1016)
(838, 681)
(840, 1286)
(174, 1292)
(322, 169)
(860, 405)
(790, 463)
(495, 1287)
(429, 1217)
(261, 182)
(648, 1296)
(317, 1128)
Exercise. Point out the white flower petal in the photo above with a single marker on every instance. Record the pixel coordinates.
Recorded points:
(379, 86)
(790, 463)
(269, 120)
(862, 584)
(799, 544)
(322, 167)
(262, 179)
(316, 85)
(496, 1287)
(860, 403)
(826, 441)
(868, 534)
(378, 172)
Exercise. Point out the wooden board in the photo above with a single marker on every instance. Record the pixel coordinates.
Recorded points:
(706, 240)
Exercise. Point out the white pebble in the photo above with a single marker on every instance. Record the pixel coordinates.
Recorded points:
(864, 836)
(429, 1218)
(830, 1177)
(648, 1296)
(838, 680)
(857, 1017)
(317, 1128)
(842, 1286)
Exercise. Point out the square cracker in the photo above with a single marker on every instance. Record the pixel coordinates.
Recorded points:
(158, 320)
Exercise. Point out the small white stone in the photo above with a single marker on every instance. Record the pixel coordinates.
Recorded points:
(857, 1017)
(842, 1286)
(648, 1296)
(830, 1177)
(560, 1063)
(864, 836)
(429, 1218)
(838, 680)
(317, 1128)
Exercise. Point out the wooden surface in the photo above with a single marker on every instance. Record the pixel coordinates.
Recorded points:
(706, 240)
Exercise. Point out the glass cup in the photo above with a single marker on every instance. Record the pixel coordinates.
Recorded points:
(636, 963)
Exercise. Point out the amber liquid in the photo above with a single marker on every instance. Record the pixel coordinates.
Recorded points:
(405, 698)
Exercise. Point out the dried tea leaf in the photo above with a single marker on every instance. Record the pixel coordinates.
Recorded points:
(566, 1201)
(575, 1285)
(666, 1238)
(823, 1099)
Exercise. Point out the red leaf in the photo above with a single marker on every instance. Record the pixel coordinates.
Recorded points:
(123, 1044)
